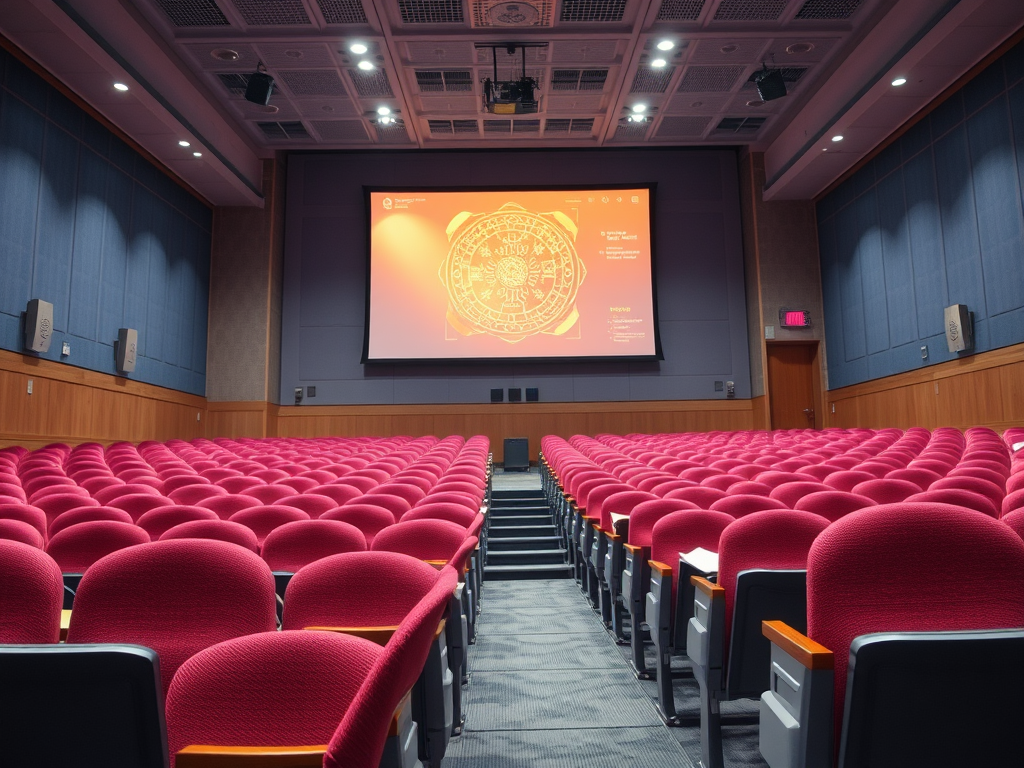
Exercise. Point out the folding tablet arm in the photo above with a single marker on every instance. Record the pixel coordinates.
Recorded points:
(796, 728)
(636, 581)
(613, 565)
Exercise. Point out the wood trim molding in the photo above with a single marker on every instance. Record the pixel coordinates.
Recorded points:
(378, 635)
(210, 756)
(805, 651)
(660, 568)
(464, 409)
(705, 586)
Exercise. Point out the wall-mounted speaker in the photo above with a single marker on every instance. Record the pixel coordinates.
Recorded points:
(532, 394)
(515, 395)
(126, 349)
(259, 88)
(959, 328)
(497, 395)
(38, 325)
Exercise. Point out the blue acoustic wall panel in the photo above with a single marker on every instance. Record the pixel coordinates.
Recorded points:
(935, 219)
(699, 265)
(91, 226)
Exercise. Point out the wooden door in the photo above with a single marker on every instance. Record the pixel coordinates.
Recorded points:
(794, 388)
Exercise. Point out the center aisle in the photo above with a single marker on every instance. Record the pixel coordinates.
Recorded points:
(551, 690)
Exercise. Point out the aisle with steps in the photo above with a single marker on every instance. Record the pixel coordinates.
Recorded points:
(522, 541)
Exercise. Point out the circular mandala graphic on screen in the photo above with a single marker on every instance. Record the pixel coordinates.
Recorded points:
(512, 273)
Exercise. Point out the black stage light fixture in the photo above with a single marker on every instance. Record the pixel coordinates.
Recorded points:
(260, 86)
(497, 395)
(770, 84)
(515, 394)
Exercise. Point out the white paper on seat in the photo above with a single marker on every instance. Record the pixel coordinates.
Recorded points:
(1018, 446)
(616, 517)
(701, 559)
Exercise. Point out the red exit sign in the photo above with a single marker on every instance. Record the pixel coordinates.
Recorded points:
(794, 318)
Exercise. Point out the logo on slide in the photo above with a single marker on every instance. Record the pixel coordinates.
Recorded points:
(512, 273)
(387, 203)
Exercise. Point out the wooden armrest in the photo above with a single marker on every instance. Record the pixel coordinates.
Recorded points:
(614, 537)
(439, 564)
(595, 523)
(660, 568)
(440, 629)
(705, 586)
(378, 635)
(65, 622)
(804, 650)
(633, 548)
(210, 756)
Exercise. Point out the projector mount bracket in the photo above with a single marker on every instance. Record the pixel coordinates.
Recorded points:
(517, 95)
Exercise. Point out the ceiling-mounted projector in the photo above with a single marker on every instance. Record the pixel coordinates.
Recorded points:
(515, 95)
(770, 83)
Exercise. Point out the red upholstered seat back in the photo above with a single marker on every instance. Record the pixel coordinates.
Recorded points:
(336, 492)
(702, 497)
(685, 531)
(622, 503)
(109, 493)
(456, 513)
(832, 505)
(981, 486)
(790, 493)
(845, 480)
(396, 504)
(357, 589)
(312, 504)
(79, 546)
(368, 518)
(269, 494)
(647, 513)
(409, 492)
(773, 540)
(19, 530)
(26, 513)
(57, 503)
(176, 596)
(745, 504)
(31, 595)
(1015, 520)
(597, 497)
(471, 503)
(887, 490)
(910, 568)
(161, 519)
(137, 504)
(193, 494)
(422, 539)
(957, 497)
(238, 484)
(218, 530)
(293, 545)
(226, 506)
(262, 520)
(922, 478)
(269, 689)
(359, 740)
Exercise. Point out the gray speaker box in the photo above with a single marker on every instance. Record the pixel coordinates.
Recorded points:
(38, 325)
(126, 349)
(959, 328)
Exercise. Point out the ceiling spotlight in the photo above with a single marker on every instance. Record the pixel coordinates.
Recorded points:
(837, 137)
(120, 87)
(899, 81)
(197, 154)
(383, 110)
(358, 48)
(365, 65)
(638, 108)
(658, 63)
(666, 45)
(386, 120)
(184, 143)
(260, 86)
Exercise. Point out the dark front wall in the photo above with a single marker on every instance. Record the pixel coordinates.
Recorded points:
(91, 226)
(936, 219)
(699, 265)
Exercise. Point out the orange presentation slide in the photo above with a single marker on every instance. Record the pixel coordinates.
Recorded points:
(510, 274)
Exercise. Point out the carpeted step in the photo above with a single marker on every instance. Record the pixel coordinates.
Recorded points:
(509, 572)
(501, 544)
(526, 557)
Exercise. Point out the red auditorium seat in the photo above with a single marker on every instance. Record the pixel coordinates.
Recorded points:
(886, 491)
(990, 490)
(190, 495)
(310, 503)
(106, 495)
(746, 504)
(832, 505)
(432, 540)
(360, 483)
(218, 530)
(922, 478)
(57, 503)
(18, 530)
(269, 494)
(845, 480)
(79, 546)
(452, 497)
(608, 541)
(726, 481)
(176, 596)
(262, 520)
(675, 533)
(761, 576)
(817, 471)
(26, 513)
(31, 595)
(226, 506)
(456, 513)
(87, 514)
(396, 504)
(175, 482)
(368, 518)
(702, 497)
(161, 519)
(239, 484)
(1012, 502)
(336, 492)
(938, 583)
(957, 497)
(298, 484)
(790, 493)
(411, 493)
(291, 546)
(69, 489)
(1015, 520)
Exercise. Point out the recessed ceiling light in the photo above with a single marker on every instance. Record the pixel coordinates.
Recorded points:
(899, 81)
(120, 87)
(386, 119)
(383, 110)
(224, 54)
(659, 63)
(358, 48)
(755, 103)
(365, 65)
(197, 154)
(837, 137)
(730, 48)
(638, 108)
(666, 45)
(184, 143)
(796, 48)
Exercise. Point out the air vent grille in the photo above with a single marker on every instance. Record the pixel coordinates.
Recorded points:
(465, 126)
(709, 79)
(593, 10)
(392, 133)
(497, 126)
(193, 13)
(682, 127)
(235, 83)
(740, 125)
(750, 10)
(371, 85)
(578, 79)
(341, 130)
(818, 10)
(434, 81)
(313, 82)
(280, 13)
(290, 130)
(565, 125)
(582, 125)
(439, 127)
(526, 126)
(648, 80)
(512, 13)
(630, 131)
(680, 10)
(343, 12)
(431, 11)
